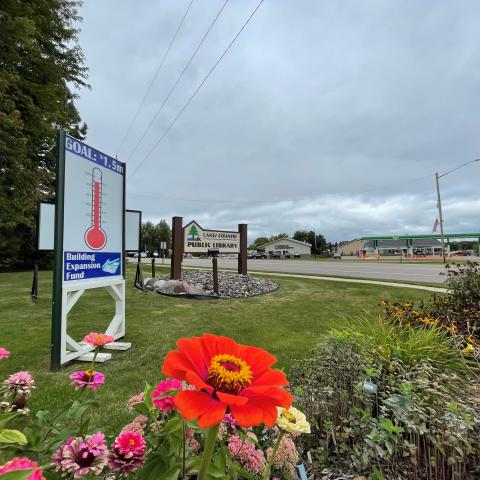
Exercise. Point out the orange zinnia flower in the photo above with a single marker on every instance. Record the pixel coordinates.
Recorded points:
(226, 375)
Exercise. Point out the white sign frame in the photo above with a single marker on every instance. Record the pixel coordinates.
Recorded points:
(75, 157)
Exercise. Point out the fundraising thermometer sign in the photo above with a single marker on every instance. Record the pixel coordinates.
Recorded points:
(93, 213)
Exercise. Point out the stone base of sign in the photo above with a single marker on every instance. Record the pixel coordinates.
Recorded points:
(88, 357)
(199, 285)
(118, 346)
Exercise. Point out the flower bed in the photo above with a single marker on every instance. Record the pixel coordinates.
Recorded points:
(223, 412)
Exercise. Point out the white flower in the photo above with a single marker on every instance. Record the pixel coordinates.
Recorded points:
(292, 420)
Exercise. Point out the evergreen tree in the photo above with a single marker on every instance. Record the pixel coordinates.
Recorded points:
(41, 65)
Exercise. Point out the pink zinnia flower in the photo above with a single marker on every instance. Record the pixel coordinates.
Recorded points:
(22, 463)
(165, 403)
(79, 457)
(87, 378)
(128, 453)
(20, 383)
(4, 353)
(98, 339)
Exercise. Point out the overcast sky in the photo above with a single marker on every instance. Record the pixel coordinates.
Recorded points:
(320, 116)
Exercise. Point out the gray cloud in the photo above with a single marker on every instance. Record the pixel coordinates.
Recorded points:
(317, 118)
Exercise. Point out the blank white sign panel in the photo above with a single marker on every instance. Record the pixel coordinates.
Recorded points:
(133, 220)
(46, 226)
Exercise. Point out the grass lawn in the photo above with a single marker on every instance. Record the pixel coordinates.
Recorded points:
(287, 322)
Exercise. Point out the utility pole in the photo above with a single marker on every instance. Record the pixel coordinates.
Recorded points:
(439, 201)
(439, 205)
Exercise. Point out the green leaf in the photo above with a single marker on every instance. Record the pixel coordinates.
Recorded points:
(173, 425)
(17, 474)
(171, 474)
(12, 436)
(215, 472)
(6, 417)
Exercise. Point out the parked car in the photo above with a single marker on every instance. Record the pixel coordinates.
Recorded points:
(142, 255)
(296, 255)
(337, 256)
(459, 253)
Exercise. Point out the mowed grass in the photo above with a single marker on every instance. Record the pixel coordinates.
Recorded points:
(287, 322)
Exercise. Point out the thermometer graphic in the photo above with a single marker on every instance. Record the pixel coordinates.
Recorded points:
(95, 237)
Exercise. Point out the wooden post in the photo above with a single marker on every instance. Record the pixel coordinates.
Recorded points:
(177, 248)
(35, 283)
(153, 267)
(139, 281)
(215, 274)
(242, 256)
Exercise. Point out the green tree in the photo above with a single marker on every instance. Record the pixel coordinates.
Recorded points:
(301, 236)
(278, 236)
(309, 237)
(41, 66)
(164, 233)
(148, 237)
(258, 241)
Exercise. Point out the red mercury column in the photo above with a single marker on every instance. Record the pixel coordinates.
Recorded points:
(95, 237)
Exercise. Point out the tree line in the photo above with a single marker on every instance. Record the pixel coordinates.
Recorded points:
(152, 235)
(41, 70)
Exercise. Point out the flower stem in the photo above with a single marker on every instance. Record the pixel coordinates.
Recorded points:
(184, 453)
(95, 353)
(208, 452)
(274, 453)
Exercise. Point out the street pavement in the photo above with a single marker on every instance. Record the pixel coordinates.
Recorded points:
(369, 269)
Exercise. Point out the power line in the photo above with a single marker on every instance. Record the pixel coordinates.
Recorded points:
(393, 185)
(179, 114)
(155, 76)
(169, 94)
(196, 200)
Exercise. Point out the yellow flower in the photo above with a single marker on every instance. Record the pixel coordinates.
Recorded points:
(468, 349)
(471, 339)
(292, 420)
(453, 329)
(427, 320)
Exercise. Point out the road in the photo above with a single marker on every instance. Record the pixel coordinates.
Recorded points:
(379, 271)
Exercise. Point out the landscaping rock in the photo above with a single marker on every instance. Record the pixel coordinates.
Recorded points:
(200, 283)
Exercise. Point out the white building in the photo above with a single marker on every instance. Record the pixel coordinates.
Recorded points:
(286, 246)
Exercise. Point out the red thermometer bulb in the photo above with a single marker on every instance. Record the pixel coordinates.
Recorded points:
(95, 237)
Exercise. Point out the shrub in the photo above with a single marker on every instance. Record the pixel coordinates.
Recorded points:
(464, 283)
(422, 422)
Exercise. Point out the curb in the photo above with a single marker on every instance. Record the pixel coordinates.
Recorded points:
(337, 279)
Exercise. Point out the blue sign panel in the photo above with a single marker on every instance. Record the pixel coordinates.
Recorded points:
(93, 214)
(89, 153)
(84, 265)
